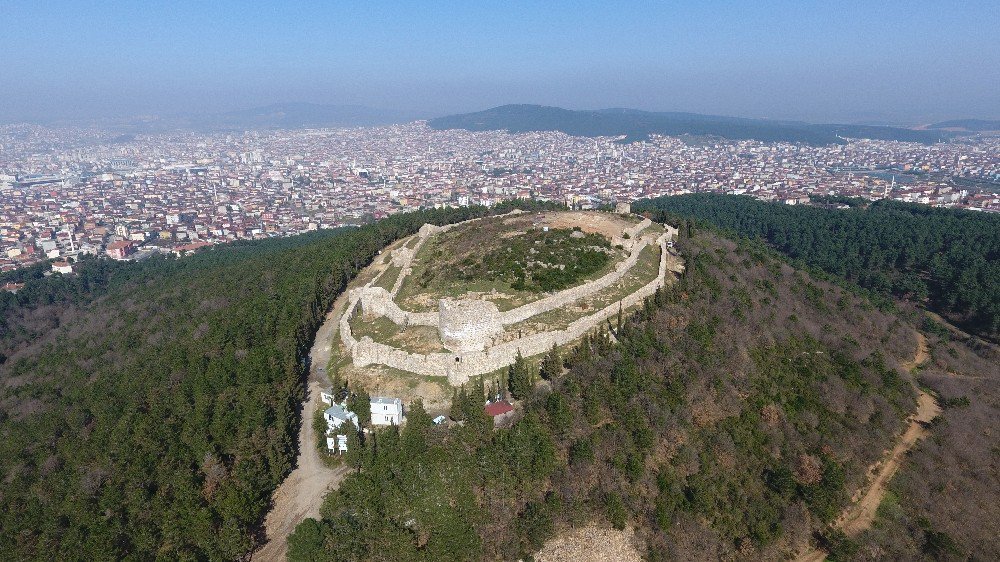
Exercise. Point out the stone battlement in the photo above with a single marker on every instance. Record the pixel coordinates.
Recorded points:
(469, 327)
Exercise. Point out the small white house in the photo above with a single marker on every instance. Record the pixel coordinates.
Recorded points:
(338, 415)
(62, 267)
(386, 411)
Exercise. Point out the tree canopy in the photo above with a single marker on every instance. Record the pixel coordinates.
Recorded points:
(735, 411)
(150, 409)
(946, 258)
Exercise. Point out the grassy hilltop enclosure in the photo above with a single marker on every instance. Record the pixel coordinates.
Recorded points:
(536, 260)
(548, 277)
(511, 260)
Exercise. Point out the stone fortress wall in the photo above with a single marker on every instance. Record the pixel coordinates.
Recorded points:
(378, 301)
(562, 298)
(470, 340)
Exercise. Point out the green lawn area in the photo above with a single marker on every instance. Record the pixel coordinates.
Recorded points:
(388, 278)
(645, 270)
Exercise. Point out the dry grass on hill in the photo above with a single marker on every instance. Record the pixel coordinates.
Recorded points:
(590, 544)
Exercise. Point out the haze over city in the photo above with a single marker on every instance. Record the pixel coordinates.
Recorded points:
(551, 281)
(889, 62)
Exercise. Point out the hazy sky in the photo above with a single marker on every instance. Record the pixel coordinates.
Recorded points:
(819, 61)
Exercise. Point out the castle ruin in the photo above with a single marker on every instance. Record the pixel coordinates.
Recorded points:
(472, 330)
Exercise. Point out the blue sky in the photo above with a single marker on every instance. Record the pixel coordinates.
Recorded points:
(818, 61)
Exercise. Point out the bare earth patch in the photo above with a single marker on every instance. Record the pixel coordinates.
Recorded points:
(301, 494)
(589, 221)
(590, 544)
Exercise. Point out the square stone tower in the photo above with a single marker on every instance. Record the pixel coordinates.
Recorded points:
(468, 325)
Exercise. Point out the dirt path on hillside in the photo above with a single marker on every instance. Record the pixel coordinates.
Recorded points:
(301, 494)
(861, 513)
(859, 516)
(922, 354)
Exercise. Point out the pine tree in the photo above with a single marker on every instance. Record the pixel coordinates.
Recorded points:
(551, 364)
(360, 403)
(519, 378)
(355, 454)
(458, 400)
(414, 437)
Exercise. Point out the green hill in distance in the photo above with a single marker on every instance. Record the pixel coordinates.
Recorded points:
(637, 125)
(967, 125)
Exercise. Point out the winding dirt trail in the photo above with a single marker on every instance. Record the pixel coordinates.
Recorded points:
(861, 513)
(301, 494)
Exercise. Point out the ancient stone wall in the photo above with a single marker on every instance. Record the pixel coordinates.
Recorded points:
(458, 367)
(406, 260)
(402, 257)
(468, 325)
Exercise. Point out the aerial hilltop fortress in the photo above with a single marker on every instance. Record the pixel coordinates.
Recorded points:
(474, 335)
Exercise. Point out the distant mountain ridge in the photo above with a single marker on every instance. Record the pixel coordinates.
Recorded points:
(638, 125)
(968, 125)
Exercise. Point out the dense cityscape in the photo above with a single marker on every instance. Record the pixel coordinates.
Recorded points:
(67, 191)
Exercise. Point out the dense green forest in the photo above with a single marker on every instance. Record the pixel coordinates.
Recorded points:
(948, 259)
(148, 410)
(734, 416)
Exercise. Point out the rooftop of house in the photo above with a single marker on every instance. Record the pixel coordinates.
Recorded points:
(339, 412)
(495, 409)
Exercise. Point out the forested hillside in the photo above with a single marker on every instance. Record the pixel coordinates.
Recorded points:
(735, 416)
(942, 505)
(948, 259)
(149, 410)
